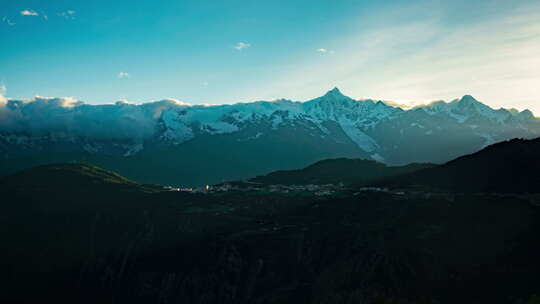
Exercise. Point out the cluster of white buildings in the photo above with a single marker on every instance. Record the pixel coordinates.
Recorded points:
(319, 190)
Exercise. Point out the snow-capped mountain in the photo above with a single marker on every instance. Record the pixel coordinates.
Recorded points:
(351, 115)
(170, 141)
(467, 108)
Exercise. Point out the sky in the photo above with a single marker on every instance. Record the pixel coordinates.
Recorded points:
(214, 52)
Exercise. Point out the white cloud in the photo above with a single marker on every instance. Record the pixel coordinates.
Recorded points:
(242, 45)
(3, 91)
(325, 51)
(29, 13)
(69, 14)
(123, 75)
(8, 21)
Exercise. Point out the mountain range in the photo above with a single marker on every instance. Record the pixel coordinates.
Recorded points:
(171, 142)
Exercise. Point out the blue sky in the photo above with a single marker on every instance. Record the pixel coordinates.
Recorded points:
(229, 51)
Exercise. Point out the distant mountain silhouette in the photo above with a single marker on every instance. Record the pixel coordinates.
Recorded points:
(340, 170)
(508, 167)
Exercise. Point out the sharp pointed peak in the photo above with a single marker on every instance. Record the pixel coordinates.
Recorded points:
(334, 92)
(468, 99)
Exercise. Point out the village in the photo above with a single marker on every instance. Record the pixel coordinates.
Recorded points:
(314, 189)
(326, 190)
(246, 186)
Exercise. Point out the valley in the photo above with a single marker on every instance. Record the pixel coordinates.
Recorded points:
(90, 235)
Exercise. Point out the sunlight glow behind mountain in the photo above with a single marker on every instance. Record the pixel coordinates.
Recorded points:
(410, 52)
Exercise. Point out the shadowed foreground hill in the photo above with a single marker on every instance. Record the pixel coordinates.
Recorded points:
(507, 167)
(345, 170)
(72, 177)
(79, 234)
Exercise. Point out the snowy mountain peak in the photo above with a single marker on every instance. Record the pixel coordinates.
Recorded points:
(468, 99)
(334, 98)
(335, 92)
(468, 108)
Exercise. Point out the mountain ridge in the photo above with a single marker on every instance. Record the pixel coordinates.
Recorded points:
(82, 176)
(348, 171)
(246, 139)
(505, 167)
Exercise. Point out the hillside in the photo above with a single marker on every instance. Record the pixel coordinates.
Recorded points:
(341, 170)
(75, 233)
(507, 167)
(71, 177)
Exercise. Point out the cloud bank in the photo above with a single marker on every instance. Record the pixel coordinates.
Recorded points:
(122, 120)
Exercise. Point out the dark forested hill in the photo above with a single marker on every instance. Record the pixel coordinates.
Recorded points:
(340, 170)
(508, 167)
(79, 234)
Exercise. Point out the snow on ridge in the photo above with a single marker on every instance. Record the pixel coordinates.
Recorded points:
(221, 119)
(489, 139)
(133, 149)
(354, 116)
(361, 111)
(355, 133)
(467, 107)
(175, 121)
(176, 130)
(121, 120)
(179, 122)
(378, 157)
